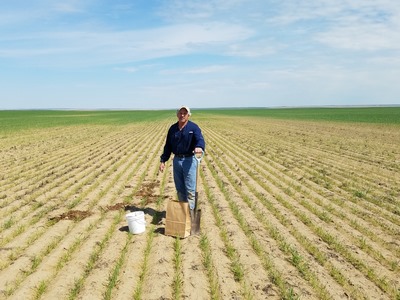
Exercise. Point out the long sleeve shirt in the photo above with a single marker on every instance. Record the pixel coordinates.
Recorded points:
(182, 142)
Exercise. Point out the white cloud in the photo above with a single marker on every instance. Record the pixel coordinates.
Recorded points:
(207, 69)
(258, 85)
(65, 7)
(253, 48)
(199, 70)
(124, 46)
(126, 69)
(356, 25)
(39, 12)
(370, 37)
(183, 10)
(291, 11)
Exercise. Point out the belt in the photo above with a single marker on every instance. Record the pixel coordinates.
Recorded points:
(183, 155)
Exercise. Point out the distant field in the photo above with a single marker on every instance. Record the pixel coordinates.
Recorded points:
(296, 204)
(16, 120)
(24, 119)
(384, 115)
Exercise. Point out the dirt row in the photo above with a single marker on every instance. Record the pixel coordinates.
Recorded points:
(289, 210)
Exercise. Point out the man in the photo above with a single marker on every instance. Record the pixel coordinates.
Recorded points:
(184, 140)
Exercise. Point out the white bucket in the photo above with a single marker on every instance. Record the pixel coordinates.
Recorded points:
(136, 222)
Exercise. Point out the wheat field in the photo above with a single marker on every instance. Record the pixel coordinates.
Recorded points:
(291, 209)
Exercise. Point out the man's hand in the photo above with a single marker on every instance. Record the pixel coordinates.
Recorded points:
(198, 152)
(162, 167)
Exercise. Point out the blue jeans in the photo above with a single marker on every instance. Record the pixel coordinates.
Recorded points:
(185, 178)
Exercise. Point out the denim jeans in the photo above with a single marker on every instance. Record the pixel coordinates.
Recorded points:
(185, 178)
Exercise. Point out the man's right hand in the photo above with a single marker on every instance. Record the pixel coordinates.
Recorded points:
(162, 167)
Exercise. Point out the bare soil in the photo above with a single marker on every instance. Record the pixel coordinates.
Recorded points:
(290, 210)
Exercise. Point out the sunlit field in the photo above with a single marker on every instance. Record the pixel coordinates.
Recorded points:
(296, 204)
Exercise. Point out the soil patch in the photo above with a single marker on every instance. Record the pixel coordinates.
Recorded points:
(74, 215)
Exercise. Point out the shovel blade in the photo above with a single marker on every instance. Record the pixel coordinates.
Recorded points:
(195, 220)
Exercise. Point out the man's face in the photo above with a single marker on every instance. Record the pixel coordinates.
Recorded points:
(183, 115)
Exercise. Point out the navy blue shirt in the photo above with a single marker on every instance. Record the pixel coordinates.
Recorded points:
(182, 142)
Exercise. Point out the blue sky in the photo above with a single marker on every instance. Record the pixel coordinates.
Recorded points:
(144, 54)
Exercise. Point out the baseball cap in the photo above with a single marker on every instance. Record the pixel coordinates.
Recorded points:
(185, 107)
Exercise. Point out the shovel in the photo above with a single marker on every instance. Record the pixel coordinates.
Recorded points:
(195, 215)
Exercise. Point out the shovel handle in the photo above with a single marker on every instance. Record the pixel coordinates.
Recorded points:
(198, 158)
